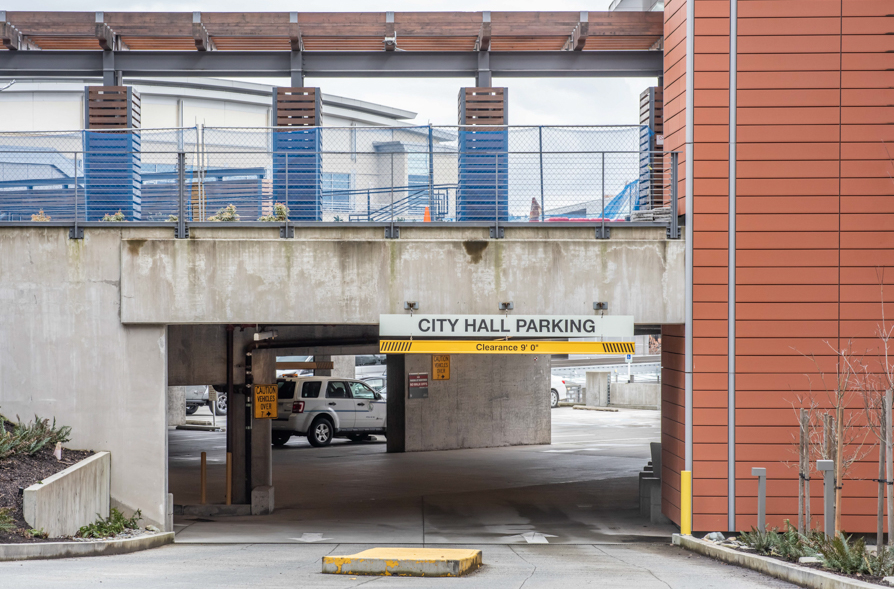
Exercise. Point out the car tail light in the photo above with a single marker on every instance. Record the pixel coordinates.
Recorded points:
(563, 382)
(298, 407)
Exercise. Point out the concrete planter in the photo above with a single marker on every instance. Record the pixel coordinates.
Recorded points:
(799, 575)
(46, 550)
(63, 503)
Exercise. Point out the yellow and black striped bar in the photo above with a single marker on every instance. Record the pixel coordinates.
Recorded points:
(502, 347)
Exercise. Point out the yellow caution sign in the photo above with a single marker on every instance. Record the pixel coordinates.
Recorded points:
(265, 400)
(502, 347)
(440, 367)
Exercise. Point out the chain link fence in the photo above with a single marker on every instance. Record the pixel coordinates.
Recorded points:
(334, 174)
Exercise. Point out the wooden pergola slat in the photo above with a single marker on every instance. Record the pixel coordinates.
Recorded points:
(343, 31)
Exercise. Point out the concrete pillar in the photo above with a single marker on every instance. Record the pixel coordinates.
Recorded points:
(597, 388)
(176, 406)
(344, 366)
(397, 402)
(322, 371)
(263, 368)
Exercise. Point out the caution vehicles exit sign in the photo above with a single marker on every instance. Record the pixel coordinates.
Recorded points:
(265, 400)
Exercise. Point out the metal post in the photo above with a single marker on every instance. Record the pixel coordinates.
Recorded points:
(286, 231)
(181, 232)
(203, 478)
(392, 232)
(76, 232)
(674, 231)
(827, 467)
(367, 205)
(540, 151)
(761, 474)
(602, 231)
(431, 171)
(686, 502)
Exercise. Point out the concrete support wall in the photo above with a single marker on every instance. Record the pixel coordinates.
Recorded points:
(636, 394)
(489, 400)
(263, 368)
(67, 355)
(61, 504)
(353, 274)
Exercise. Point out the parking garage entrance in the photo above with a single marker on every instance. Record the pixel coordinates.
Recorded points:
(487, 461)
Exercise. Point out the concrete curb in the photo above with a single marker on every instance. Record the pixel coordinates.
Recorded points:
(803, 576)
(588, 408)
(211, 510)
(48, 550)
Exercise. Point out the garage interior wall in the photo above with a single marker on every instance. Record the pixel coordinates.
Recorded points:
(489, 400)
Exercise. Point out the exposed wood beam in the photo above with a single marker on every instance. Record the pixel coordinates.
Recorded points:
(390, 33)
(483, 41)
(578, 37)
(295, 39)
(108, 40)
(200, 33)
(10, 36)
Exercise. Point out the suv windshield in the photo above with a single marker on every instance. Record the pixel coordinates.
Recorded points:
(361, 391)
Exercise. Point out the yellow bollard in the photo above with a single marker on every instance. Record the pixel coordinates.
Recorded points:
(203, 479)
(686, 502)
(229, 478)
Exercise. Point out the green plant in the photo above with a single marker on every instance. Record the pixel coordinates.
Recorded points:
(762, 541)
(7, 524)
(280, 213)
(36, 533)
(843, 554)
(110, 526)
(117, 217)
(41, 216)
(30, 438)
(171, 219)
(790, 545)
(880, 564)
(337, 219)
(226, 214)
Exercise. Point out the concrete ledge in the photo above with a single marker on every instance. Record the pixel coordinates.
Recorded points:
(803, 576)
(589, 408)
(64, 502)
(406, 562)
(47, 550)
(212, 510)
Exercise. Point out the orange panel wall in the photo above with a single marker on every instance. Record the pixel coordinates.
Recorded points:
(814, 224)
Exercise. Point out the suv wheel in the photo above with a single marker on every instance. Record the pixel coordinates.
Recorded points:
(221, 404)
(320, 433)
(280, 438)
(190, 409)
(553, 398)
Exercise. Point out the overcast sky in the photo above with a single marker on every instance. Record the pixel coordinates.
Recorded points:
(551, 101)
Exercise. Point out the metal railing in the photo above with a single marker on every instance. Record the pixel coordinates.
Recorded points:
(495, 175)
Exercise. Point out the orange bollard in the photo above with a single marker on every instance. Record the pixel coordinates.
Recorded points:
(427, 218)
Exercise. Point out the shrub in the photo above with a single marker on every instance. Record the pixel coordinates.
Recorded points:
(226, 214)
(7, 524)
(840, 554)
(110, 526)
(41, 216)
(762, 541)
(30, 438)
(116, 218)
(280, 213)
(171, 219)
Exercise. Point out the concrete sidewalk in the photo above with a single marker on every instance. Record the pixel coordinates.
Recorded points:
(618, 566)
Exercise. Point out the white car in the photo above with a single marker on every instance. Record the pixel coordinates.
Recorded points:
(557, 391)
(324, 407)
